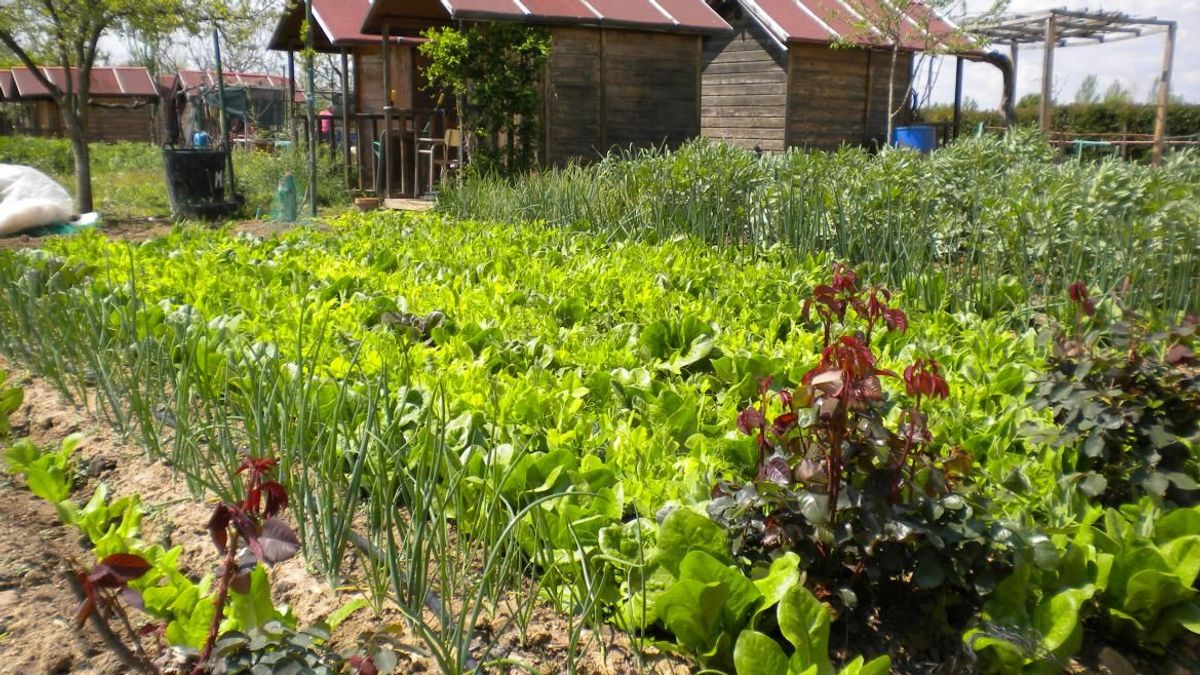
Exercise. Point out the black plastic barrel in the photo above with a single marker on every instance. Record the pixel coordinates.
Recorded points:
(196, 183)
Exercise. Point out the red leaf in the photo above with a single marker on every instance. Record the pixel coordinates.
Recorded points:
(1180, 354)
(750, 420)
(277, 499)
(1078, 292)
(218, 527)
(784, 423)
(363, 665)
(895, 319)
(126, 567)
(278, 541)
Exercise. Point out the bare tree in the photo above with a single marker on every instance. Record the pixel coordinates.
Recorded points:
(908, 25)
(67, 33)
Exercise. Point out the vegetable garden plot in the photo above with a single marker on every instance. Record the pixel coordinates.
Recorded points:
(571, 402)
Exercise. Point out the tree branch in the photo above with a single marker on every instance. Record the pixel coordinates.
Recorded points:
(8, 41)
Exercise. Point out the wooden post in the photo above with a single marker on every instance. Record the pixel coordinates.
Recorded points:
(230, 183)
(1010, 112)
(291, 94)
(870, 86)
(1164, 97)
(387, 114)
(311, 108)
(958, 95)
(1047, 110)
(345, 117)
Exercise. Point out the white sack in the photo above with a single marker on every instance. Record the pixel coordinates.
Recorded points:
(29, 199)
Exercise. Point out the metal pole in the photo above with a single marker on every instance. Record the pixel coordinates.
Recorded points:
(229, 177)
(958, 95)
(345, 116)
(1047, 110)
(1164, 97)
(312, 109)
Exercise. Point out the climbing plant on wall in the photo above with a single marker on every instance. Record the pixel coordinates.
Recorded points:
(494, 70)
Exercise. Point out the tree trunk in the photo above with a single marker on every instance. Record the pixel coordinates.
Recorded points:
(83, 163)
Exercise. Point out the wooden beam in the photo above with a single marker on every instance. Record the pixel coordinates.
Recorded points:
(1047, 110)
(958, 95)
(387, 113)
(1010, 112)
(1164, 97)
(867, 107)
(345, 117)
(290, 106)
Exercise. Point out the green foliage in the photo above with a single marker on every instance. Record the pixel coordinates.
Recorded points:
(10, 401)
(277, 648)
(495, 69)
(990, 225)
(49, 474)
(1127, 402)
(1131, 569)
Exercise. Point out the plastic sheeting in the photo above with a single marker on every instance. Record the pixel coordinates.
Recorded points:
(30, 199)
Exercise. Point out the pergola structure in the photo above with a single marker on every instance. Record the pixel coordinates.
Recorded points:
(1065, 28)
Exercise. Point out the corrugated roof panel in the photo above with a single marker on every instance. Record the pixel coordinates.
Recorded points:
(687, 16)
(7, 88)
(105, 82)
(573, 10)
(856, 22)
(638, 12)
(691, 13)
(486, 8)
(787, 20)
(844, 19)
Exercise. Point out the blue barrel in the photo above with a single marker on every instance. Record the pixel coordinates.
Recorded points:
(920, 137)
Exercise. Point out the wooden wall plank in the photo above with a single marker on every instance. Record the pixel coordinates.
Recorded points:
(744, 98)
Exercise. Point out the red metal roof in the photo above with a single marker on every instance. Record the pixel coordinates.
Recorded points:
(194, 79)
(7, 86)
(117, 82)
(685, 16)
(190, 80)
(340, 23)
(850, 20)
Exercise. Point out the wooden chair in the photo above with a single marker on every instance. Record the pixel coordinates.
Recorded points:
(443, 153)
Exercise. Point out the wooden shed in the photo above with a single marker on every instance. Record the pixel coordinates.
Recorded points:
(262, 99)
(122, 105)
(622, 72)
(778, 81)
(338, 25)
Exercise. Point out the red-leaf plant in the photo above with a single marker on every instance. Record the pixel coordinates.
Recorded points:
(267, 539)
(835, 419)
(102, 588)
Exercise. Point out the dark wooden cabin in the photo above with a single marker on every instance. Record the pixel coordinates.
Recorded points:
(622, 73)
(122, 106)
(777, 81)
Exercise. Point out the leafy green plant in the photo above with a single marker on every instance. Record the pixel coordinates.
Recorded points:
(49, 474)
(1131, 570)
(10, 401)
(1128, 401)
(276, 648)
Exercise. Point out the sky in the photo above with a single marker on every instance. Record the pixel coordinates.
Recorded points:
(1135, 62)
